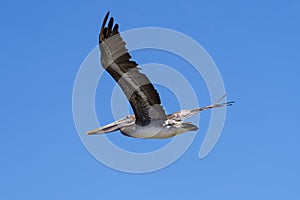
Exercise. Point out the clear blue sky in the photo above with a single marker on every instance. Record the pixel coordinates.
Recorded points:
(256, 46)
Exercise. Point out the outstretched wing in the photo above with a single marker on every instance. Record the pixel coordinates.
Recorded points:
(140, 92)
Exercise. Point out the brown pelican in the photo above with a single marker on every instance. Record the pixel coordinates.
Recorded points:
(149, 119)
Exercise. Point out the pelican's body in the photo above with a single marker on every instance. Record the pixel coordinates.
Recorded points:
(156, 129)
(149, 119)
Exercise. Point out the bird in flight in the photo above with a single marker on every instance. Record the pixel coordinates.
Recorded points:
(149, 119)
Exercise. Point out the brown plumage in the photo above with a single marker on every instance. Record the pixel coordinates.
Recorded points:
(116, 60)
(149, 119)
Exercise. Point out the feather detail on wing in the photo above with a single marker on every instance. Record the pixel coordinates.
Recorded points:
(143, 97)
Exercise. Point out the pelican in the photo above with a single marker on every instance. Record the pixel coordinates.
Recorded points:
(149, 119)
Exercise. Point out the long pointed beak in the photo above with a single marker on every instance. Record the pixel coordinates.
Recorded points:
(113, 126)
(105, 129)
(94, 132)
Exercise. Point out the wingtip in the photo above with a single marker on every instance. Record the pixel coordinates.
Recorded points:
(230, 103)
(107, 14)
(101, 35)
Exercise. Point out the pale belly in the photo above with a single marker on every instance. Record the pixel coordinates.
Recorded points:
(151, 132)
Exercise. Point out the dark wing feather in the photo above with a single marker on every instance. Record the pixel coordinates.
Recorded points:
(140, 92)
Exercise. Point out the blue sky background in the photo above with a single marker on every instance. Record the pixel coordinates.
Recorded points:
(256, 47)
